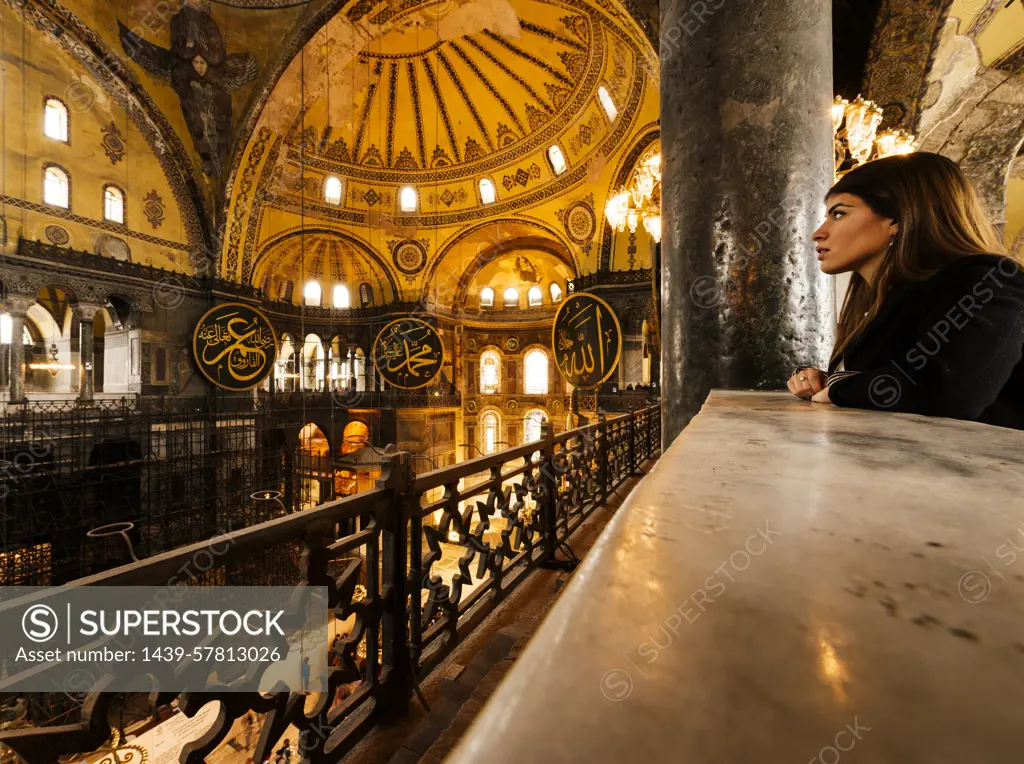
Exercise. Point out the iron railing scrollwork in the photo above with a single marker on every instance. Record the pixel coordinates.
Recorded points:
(412, 567)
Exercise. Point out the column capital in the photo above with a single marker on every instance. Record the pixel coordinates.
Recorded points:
(18, 304)
(87, 311)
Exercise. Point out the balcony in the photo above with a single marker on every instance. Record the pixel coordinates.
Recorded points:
(416, 565)
(791, 581)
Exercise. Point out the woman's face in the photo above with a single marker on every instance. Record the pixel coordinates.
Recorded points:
(852, 236)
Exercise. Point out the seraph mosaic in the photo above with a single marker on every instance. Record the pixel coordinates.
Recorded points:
(202, 73)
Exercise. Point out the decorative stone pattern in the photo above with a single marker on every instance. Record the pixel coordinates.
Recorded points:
(153, 207)
(512, 344)
(112, 144)
(409, 256)
(901, 56)
(103, 225)
(56, 235)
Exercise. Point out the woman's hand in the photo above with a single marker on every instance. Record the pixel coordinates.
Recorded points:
(806, 383)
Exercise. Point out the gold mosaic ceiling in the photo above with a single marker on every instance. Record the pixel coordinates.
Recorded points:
(438, 97)
(461, 103)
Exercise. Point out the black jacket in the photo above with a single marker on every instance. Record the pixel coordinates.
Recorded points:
(948, 346)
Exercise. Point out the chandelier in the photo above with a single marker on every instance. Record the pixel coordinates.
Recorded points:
(856, 136)
(640, 200)
(53, 365)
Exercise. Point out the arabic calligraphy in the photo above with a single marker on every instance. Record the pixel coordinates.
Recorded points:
(234, 346)
(587, 340)
(408, 353)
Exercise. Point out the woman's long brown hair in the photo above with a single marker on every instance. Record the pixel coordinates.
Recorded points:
(940, 219)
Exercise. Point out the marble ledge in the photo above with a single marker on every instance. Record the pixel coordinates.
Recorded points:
(791, 582)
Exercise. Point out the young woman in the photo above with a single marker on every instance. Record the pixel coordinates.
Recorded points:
(933, 321)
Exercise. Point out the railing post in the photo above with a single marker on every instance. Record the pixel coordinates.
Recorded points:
(549, 491)
(396, 479)
(634, 457)
(602, 455)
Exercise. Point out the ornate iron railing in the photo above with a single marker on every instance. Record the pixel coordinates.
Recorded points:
(415, 564)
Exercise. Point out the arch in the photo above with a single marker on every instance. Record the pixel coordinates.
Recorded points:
(626, 165)
(555, 291)
(510, 298)
(56, 186)
(488, 191)
(340, 297)
(607, 104)
(493, 237)
(87, 48)
(532, 421)
(115, 203)
(487, 297)
(534, 296)
(312, 293)
(56, 122)
(364, 248)
(355, 435)
(312, 372)
(490, 372)
(535, 371)
(556, 158)
(490, 431)
(365, 295)
(408, 199)
(333, 190)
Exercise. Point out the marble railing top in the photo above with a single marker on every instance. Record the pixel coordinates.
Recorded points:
(792, 582)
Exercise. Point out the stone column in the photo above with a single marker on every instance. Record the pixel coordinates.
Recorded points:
(17, 306)
(746, 146)
(86, 313)
(326, 349)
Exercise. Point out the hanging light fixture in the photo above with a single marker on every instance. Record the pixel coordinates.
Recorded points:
(856, 136)
(640, 200)
(53, 365)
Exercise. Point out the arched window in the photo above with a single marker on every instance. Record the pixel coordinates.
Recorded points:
(557, 159)
(487, 297)
(407, 199)
(535, 372)
(490, 372)
(489, 423)
(607, 103)
(113, 204)
(535, 297)
(332, 190)
(511, 298)
(341, 298)
(487, 194)
(556, 292)
(365, 295)
(55, 120)
(56, 186)
(531, 425)
(312, 292)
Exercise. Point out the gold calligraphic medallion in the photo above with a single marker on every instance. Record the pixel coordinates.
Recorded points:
(586, 339)
(234, 346)
(408, 353)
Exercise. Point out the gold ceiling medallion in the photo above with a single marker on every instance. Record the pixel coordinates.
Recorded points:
(408, 353)
(640, 200)
(234, 346)
(587, 340)
(856, 136)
